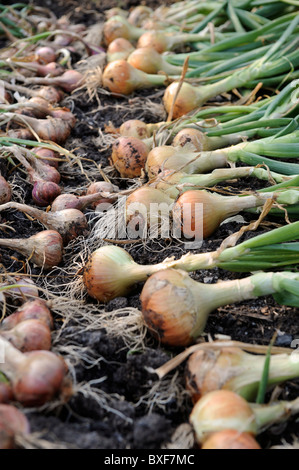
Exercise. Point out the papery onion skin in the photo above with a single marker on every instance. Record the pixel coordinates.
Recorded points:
(44, 192)
(185, 101)
(36, 308)
(41, 379)
(129, 155)
(193, 138)
(12, 421)
(119, 48)
(220, 410)
(29, 335)
(134, 128)
(155, 39)
(169, 309)
(106, 274)
(230, 439)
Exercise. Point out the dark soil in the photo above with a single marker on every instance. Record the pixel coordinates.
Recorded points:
(124, 412)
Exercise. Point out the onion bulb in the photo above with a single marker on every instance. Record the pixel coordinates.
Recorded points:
(44, 249)
(165, 41)
(150, 61)
(36, 376)
(119, 27)
(104, 187)
(129, 155)
(29, 335)
(176, 308)
(6, 394)
(139, 14)
(31, 309)
(122, 78)
(71, 201)
(199, 213)
(119, 48)
(70, 223)
(231, 368)
(230, 439)
(221, 410)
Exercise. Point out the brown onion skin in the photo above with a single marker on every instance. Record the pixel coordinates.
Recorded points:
(120, 48)
(31, 309)
(51, 93)
(45, 55)
(230, 439)
(154, 39)
(5, 190)
(29, 335)
(129, 155)
(41, 379)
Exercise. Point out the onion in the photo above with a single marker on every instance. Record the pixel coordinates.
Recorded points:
(55, 129)
(165, 41)
(119, 48)
(45, 54)
(149, 207)
(5, 190)
(12, 423)
(48, 156)
(51, 69)
(29, 335)
(45, 171)
(221, 410)
(116, 11)
(121, 78)
(70, 223)
(139, 129)
(36, 376)
(43, 192)
(118, 27)
(49, 93)
(102, 187)
(230, 439)
(44, 249)
(200, 212)
(150, 61)
(231, 368)
(70, 201)
(129, 155)
(185, 101)
(139, 14)
(68, 81)
(31, 309)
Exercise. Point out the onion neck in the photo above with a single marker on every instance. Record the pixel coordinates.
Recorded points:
(13, 359)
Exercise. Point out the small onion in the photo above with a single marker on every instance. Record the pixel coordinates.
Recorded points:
(44, 192)
(139, 14)
(150, 61)
(44, 249)
(36, 376)
(29, 335)
(118, 49)
(118, 27)
(122, 78)
(69, 223)
(31, 309)
(6, 393)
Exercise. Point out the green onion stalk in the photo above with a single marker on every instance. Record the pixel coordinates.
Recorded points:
(111, 271)
(190, 97)
(252, 153)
